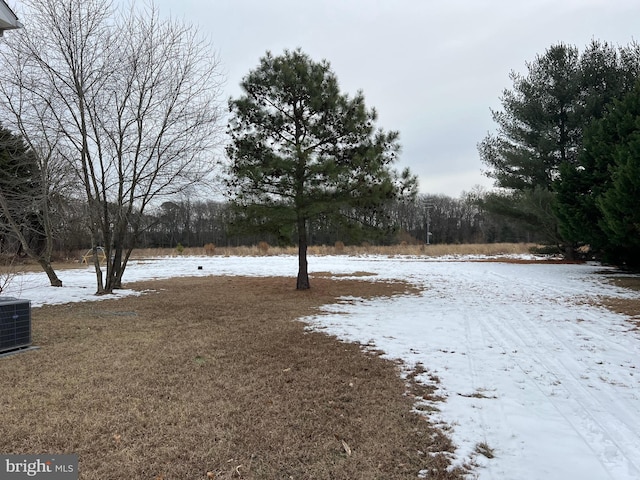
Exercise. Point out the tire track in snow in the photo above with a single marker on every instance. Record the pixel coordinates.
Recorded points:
(602, 412)
(601, 342)
(533, 346)
(579, 407)
(529, 381)
(477, 387)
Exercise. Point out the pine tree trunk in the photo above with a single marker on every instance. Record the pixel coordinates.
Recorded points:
(303, 273)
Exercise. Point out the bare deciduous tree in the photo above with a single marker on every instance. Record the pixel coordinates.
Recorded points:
(132, 100)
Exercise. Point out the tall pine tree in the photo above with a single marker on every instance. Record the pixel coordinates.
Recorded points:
(541, 128)
(300, 149)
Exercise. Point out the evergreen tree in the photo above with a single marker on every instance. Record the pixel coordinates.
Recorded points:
(542, 124)
(300, 149)
(582, 184)
(598, 200)
(538, 127)
(619, 203)
(18, 167)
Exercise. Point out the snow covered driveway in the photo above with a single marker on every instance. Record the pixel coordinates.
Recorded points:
(548, 381)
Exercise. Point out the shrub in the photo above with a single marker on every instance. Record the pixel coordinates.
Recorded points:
(263, 247)
(209, 249)
(339, 246)
(179, 248)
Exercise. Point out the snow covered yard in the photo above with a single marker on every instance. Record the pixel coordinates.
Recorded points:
(528, 365)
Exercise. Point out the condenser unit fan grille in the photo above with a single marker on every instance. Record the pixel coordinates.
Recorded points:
(15, 324)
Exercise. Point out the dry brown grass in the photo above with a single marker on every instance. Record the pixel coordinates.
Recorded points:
(214, 375)
(625, 306)
(340, 249)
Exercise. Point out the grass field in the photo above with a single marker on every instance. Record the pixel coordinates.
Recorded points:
(213, 378)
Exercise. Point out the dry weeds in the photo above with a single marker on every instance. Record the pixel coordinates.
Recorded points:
(212, 378)
(340, 249)
(629, 307)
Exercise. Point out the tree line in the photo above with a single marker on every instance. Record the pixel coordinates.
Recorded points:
(451, 220)
(195, 223)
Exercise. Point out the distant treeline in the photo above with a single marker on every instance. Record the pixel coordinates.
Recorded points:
(197, 223)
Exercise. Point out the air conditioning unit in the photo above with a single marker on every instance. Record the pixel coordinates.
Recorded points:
(15, 324)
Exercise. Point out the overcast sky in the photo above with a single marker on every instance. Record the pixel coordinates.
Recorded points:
(433, 70)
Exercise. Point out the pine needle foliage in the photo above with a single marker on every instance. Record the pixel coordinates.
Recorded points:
(300, 149)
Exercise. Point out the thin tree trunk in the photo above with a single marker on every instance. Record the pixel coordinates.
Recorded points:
(123, 265)
(44, 258)
(120, 254)
(48, 269)
(303, 273)
(96, 263)
(116, 268)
